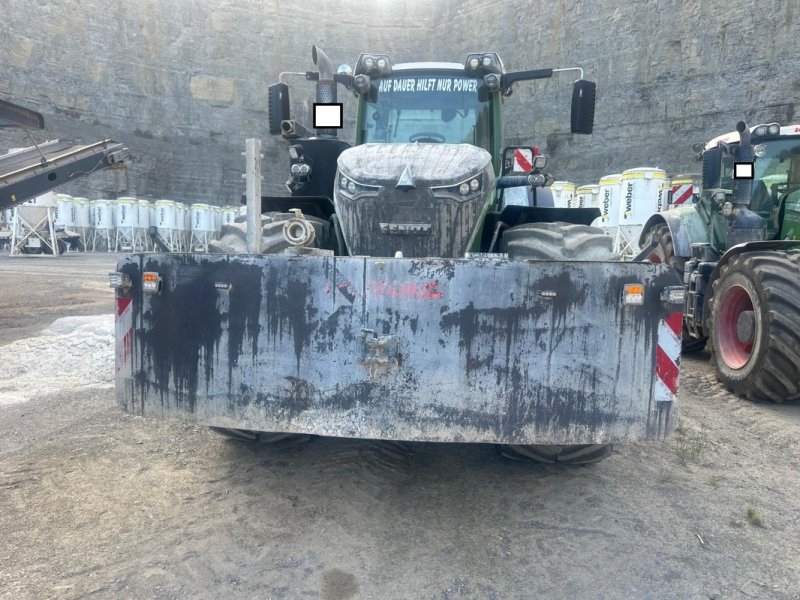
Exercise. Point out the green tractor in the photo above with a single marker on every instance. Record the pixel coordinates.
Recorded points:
(738, 249)
(400, 292)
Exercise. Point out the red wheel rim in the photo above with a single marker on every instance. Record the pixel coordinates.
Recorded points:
(733, 351)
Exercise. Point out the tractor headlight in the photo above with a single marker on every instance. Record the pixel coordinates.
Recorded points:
(486, 62)
(760, 130)
(466, 188)
(774, 129)
(373, 64)
(350, 188)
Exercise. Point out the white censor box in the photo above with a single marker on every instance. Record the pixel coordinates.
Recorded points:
(328, 116)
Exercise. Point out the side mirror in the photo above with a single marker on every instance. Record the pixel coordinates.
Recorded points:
(278, 106)
(583, 98)
(712, 165)
(522, 160)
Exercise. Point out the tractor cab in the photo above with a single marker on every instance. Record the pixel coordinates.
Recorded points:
(775, 176)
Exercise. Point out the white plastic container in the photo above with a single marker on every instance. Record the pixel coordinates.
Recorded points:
(229, 214)
(664, 190)
(166, 215)
(82, 212)
(202, 217)
(588, 196)
(609, 199)
(563, 194)
(126, 213)
(64, 216)
(103, 214)
(143, 207)
(641, 190)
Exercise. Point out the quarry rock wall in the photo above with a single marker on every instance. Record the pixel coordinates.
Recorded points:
(183, 83)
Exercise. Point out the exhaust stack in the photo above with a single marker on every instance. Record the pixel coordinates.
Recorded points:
(326, 86)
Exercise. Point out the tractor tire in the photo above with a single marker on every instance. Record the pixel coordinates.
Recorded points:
(755, 325)
(264, 437)
(233, 240)
(233, 236)
(558, 241)
(665, 254)
(575, 454)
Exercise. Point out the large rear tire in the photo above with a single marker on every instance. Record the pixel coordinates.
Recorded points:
(664, 253)
(233, 240)
(573, 454)
(558, 241)
(755, 325)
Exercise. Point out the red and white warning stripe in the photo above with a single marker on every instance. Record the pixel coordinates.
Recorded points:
(123, 325)
(523, 160)
(681, 194)
(668, 358)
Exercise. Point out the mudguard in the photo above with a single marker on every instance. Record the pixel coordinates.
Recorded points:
(685, 225)
(482, 349)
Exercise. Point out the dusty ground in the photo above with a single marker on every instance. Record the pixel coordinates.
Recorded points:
(98, 504)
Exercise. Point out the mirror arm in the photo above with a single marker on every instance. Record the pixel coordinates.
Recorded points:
(508, 79)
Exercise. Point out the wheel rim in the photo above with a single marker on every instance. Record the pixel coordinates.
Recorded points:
(736, 308)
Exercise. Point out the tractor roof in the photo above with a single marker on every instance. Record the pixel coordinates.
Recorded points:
(733, 136)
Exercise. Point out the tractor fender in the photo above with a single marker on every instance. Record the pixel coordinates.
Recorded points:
(686, 227)
(742, 249)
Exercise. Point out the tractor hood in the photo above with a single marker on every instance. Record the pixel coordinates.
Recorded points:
(426, 164)
(424, 200)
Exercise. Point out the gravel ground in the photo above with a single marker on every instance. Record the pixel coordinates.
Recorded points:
(95, 503)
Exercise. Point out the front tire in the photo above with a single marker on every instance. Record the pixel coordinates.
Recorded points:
(755, 325)
(558, 241)
(233, 240)
(572, 454)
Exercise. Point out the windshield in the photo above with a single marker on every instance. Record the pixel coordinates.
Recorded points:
(428, 107)
(777, 173)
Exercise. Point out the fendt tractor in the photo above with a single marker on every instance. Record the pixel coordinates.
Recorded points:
(737, 249)
(396, 297)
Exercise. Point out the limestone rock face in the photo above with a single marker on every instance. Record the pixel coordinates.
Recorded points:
(182, 84)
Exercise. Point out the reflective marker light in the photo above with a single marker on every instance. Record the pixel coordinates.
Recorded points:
(151, 282)
(118, 281)
(673, 295)
(633, 293)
